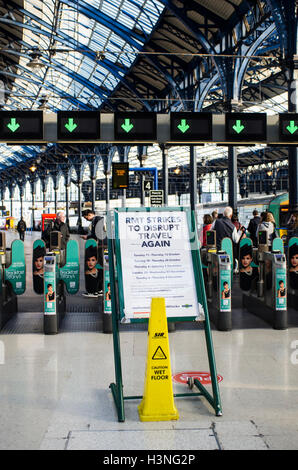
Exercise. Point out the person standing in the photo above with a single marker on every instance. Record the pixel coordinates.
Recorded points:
(225, 228)
(97, 227)
(252, 227)
(267, 224)
(61, 226)
(21, 228)
(207, 221)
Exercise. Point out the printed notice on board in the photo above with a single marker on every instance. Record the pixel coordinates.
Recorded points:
(156, 262)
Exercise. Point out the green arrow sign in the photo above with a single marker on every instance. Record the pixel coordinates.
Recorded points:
(127, 126)
(70, 125)
(13, 125)
(238, 127)
(292, 128)
(183, 126)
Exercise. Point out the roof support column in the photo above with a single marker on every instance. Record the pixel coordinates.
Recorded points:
(232, 172)
(193, 177)
(165, 174)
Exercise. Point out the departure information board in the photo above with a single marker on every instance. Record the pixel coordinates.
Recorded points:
(246, 127)
(78, 125)
(135, 126)
(120, 175)
(288, 127)
(21, 125)
(190, 127)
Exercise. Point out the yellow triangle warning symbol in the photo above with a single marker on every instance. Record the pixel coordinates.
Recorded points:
(159, 354)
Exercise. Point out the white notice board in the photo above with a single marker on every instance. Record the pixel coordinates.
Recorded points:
(155, 261)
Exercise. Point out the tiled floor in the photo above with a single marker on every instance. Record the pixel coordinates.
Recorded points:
(54, 390)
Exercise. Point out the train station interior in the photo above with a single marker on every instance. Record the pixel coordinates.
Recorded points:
(148, 226)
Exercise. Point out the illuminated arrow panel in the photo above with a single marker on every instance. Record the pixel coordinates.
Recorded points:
(246, 127)
(191, 127)
(288, 127)
(78, 125)
(135, 126)
(21, 125)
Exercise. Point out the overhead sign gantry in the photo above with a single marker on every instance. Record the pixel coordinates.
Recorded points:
(145, 128)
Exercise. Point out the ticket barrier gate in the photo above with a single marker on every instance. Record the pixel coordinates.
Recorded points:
(218, 280)
(269, 301)
(60, 272)
(12, 277)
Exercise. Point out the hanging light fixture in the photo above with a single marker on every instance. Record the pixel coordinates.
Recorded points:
(33, 168)
(35, 62)
(177, 171)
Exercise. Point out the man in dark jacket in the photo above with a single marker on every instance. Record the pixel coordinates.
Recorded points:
(96, 228)
(224, 228)
(21, 228)
(61, 226)
(253, 225)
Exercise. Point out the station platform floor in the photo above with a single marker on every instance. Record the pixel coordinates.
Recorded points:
(54, 390)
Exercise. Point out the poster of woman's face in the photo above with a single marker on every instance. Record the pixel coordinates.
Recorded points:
(247, 272)
(38, 269)
(91, 270)
(293, 266)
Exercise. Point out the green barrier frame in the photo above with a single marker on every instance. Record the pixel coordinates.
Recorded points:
(117, 296)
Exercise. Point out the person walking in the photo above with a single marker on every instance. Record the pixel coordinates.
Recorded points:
(21, 228)
(253, 225)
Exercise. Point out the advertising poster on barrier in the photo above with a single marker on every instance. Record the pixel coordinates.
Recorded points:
(248, 270)
(70, 272)
(39, 252)
(107, 292)
(93, 270)
(293, 263)
(16, 272)
(281, 289)
(158, 263)
(49, 293)
(225, 290)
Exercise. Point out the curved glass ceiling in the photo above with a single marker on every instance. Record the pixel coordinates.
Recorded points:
(71, 36)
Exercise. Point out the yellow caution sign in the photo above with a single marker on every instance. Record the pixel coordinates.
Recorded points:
(158, 399)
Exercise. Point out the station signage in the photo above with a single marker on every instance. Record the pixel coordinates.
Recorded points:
(246, 127)
(78, 125)
(120, 175)
(21, 125)
(191, 127)
(288, 127)
(156, 198)
(135, 126)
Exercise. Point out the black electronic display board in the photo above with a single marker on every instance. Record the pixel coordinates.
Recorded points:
(288, 127)
(120, 175)
(246, 127)
(189, 127)
(135, 126)
(78, 125)
(21, 125)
